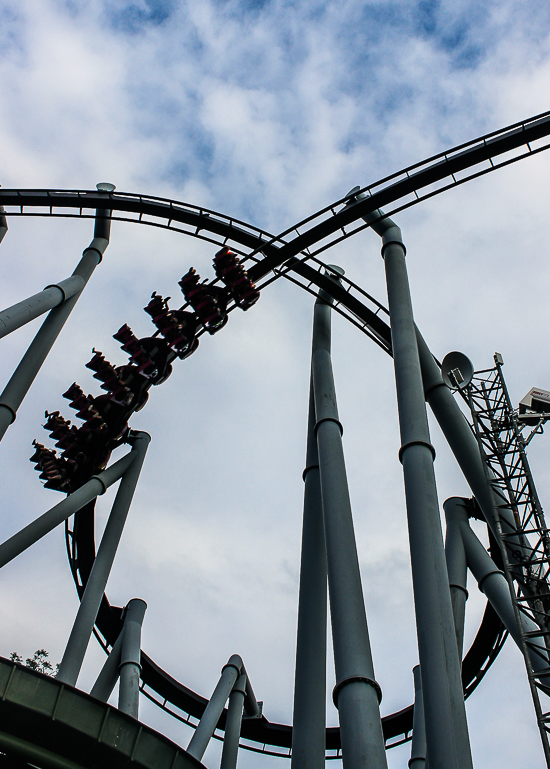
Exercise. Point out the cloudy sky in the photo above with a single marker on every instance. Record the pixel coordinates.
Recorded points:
(268, 111)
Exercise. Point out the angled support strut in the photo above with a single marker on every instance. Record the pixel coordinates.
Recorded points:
(95, 587)
(31, 363)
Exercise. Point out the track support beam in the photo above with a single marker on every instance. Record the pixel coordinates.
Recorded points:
(356, 693)
(233, 721)
(130, 657)
(98, 484)
(23, 312)
(31, 363)
(79, 638)
(446, 727)
(309, 720)
(418, 744)
(204, 731)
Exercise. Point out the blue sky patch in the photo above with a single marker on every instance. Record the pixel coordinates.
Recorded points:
(135, 16)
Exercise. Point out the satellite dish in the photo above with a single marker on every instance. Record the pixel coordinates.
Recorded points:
(353, 191)
(457, 370)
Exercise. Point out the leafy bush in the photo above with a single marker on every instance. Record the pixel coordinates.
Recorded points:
(38, 662)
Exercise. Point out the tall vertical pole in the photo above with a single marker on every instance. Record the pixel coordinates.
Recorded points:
(356, 694)
(446, 726)
(309, 720)
(457, 569)
(95, 587)
(3, 223)
(31, 363)
(109, 673)
(418, 744)
(130, 658)
(233, 722)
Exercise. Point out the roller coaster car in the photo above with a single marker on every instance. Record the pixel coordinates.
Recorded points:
(158, 352)
(208, 302)
(231, 272)
(178, 327)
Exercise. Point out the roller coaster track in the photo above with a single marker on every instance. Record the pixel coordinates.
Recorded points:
(294, 254)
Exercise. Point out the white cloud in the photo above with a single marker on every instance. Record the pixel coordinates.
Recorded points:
(267, 112)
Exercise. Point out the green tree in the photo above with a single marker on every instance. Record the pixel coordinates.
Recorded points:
(38, 662)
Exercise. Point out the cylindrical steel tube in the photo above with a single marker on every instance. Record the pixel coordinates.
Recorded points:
(97, 485)
(3, 223)
(309, 719)
(493, 583)
(356, 692)
(464, 445)
(251, 705)
(457, 569)
(107, 678)
(446, 726)
(418, 744)
(95, 587)
(205, 729)
(130, 658)
(37, 352)
(233, 721)
(23, 312)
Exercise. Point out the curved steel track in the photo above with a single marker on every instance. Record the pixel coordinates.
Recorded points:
(294, 255)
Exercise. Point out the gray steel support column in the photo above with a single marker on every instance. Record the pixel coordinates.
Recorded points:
(446, 726)
(3, 223)
(418, 744)
(211, 716)
(95, 587)
(356, 693)
(491, 581)
(457, 569)
(37, 352)
(106, 680)
(233, 721)
(130, 658)
(23, 312)
(97, 485)
(309, 719)
(451, 420)
(251, 705)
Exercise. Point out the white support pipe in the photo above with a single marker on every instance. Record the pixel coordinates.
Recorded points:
(107, 678)
(418, 744)
(446, 724)
(97, 485)
(130, 658)
(79, 638)
(457, 568)
(233, 722)
(3, 223)
(53, 295)
(38, 350)
(492, 582)
(204, 731)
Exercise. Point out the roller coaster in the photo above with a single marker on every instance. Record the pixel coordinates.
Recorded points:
(247, 260)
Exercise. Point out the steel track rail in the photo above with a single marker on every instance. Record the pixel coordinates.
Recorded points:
(399, 191)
